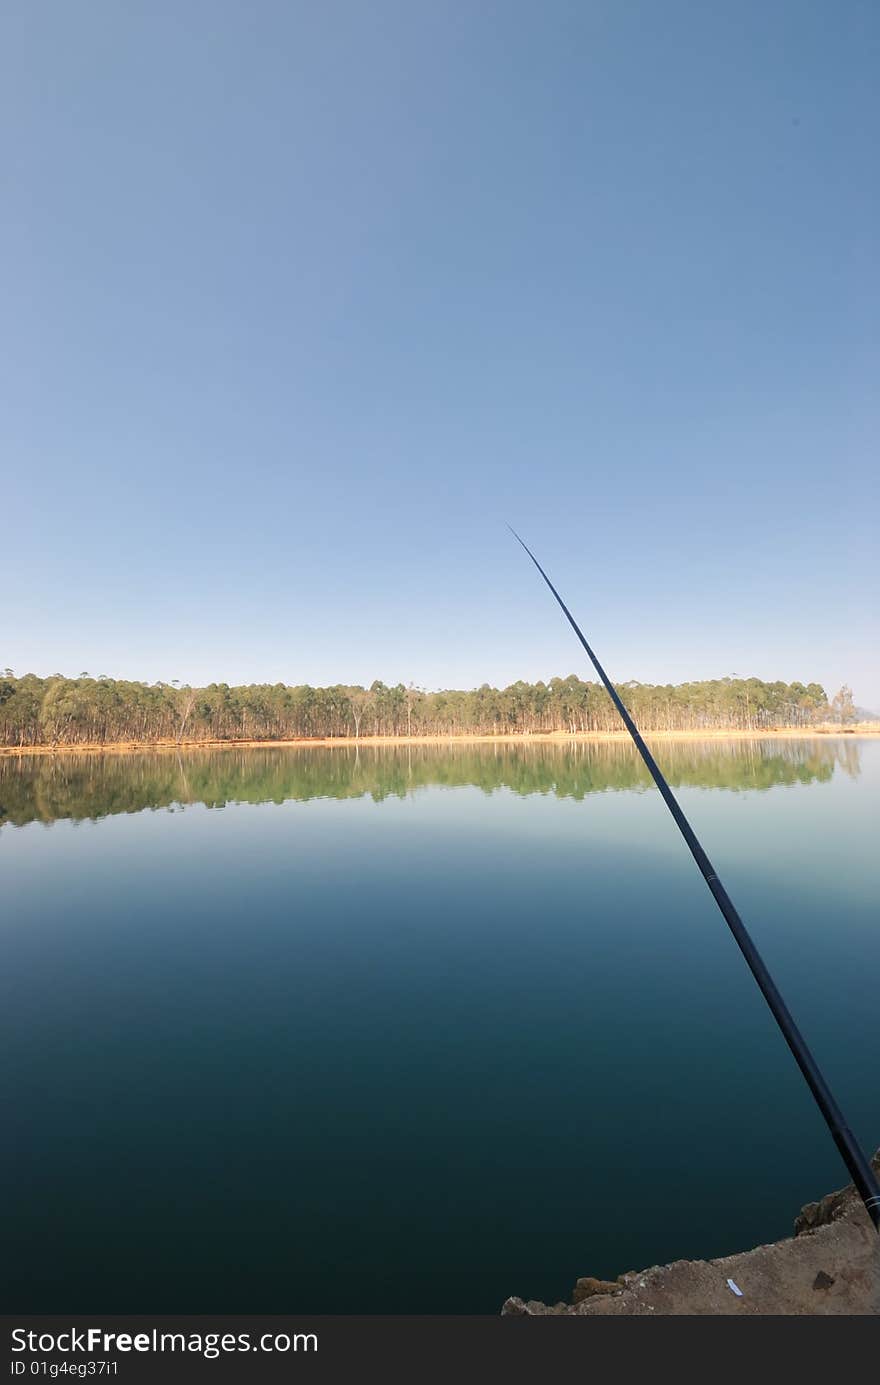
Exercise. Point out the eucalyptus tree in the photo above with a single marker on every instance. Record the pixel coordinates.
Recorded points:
(85, 710)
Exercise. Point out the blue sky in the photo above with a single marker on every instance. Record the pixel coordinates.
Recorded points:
(303, 303)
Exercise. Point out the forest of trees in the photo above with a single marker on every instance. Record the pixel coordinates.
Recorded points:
(90, 711)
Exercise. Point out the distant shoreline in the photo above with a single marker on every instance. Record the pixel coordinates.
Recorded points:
(862, 730)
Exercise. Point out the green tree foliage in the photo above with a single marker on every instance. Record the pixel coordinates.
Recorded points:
(96, 711)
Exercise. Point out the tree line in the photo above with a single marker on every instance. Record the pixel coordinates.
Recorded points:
(96, 711)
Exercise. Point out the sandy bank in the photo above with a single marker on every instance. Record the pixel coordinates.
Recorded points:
(870, 729)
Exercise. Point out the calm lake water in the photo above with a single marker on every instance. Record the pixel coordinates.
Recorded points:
(411, 1030)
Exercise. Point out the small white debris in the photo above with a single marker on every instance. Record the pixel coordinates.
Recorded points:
(734, 1288)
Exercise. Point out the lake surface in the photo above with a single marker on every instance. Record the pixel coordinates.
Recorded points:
(411, 1030)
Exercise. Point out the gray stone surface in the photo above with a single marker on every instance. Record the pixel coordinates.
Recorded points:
(830, 1266)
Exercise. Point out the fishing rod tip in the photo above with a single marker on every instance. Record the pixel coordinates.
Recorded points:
(525, 547)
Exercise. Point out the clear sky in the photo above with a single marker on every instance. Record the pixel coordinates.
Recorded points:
(303, 302)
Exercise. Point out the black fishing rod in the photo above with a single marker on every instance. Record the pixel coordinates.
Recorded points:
(859, 1168)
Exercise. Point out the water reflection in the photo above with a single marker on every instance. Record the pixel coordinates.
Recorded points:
(43, 788)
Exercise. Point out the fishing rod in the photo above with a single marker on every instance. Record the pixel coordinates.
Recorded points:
(859, 1168)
